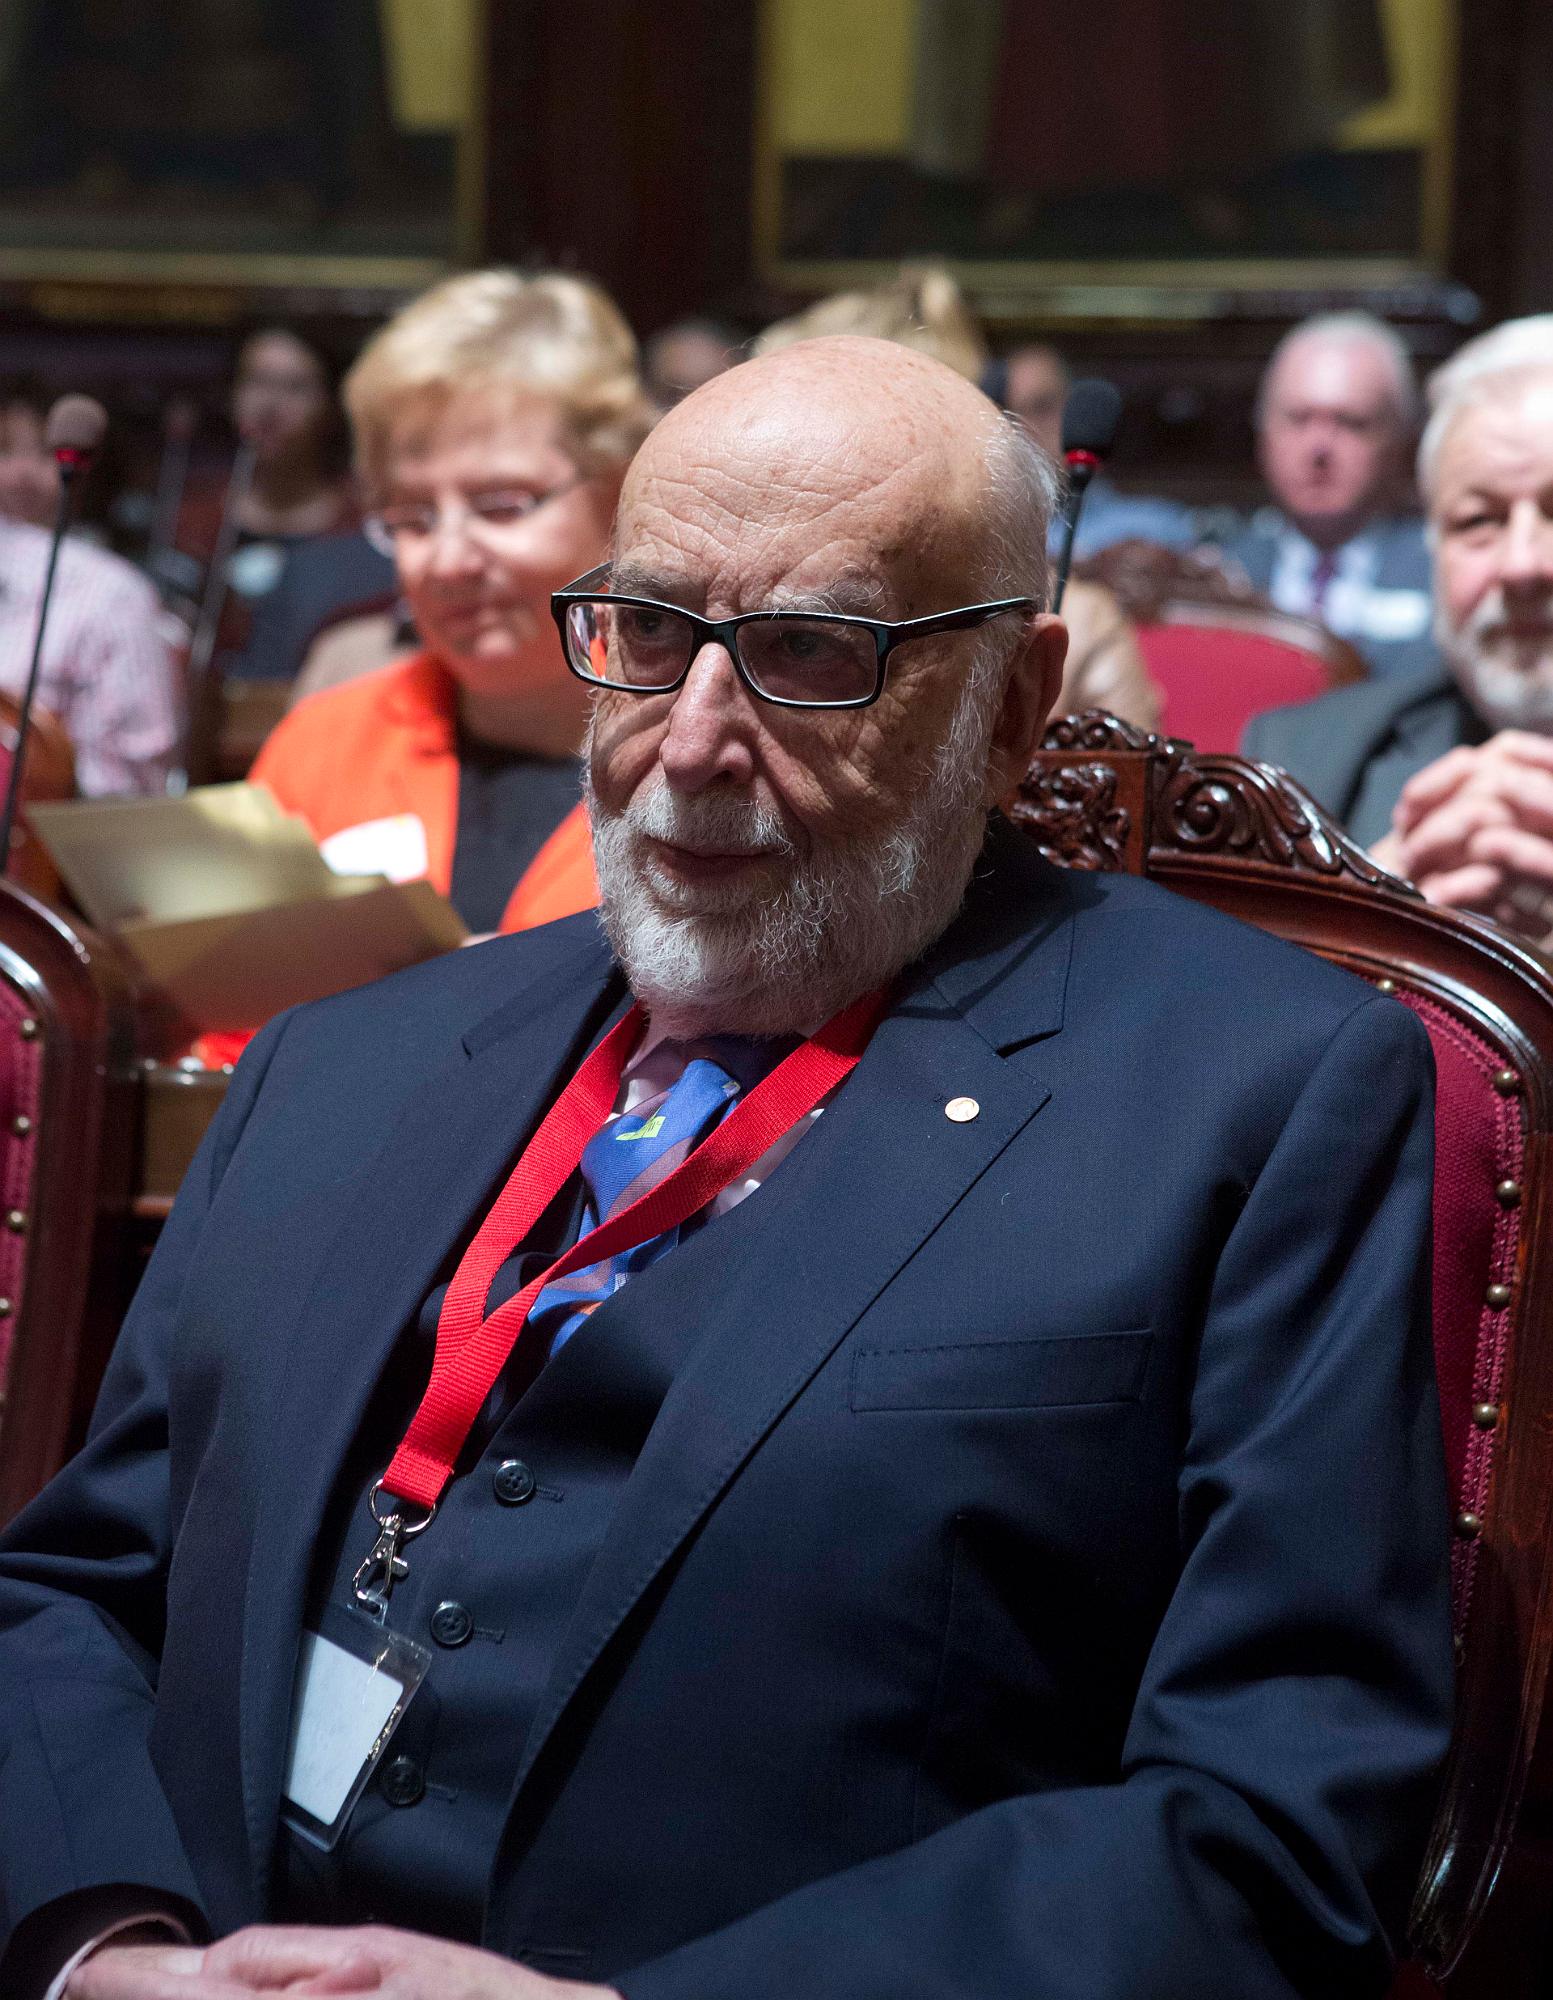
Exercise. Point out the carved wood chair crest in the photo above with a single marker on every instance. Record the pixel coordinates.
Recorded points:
(1101, 794)
(1126, 799)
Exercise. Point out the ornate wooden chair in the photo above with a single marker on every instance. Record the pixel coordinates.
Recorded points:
(49, 775)
(1101, 794)
(1145, 575)
(65, 1169)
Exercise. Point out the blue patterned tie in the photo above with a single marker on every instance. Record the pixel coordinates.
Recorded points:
(631, 1155)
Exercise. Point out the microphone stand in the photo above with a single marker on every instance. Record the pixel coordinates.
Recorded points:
(212, 601)
(171, 478)
(1082, 467)
(70, 463)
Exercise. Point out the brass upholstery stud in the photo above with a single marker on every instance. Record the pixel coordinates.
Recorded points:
(1469, 1526)
(1497, 1296)
(16, 1220)
(5, 1308)
(1387, 986)
(1485, 1415)
(1506, 1082)
(27, 1028)
(1508, 1194)
(21, 1125)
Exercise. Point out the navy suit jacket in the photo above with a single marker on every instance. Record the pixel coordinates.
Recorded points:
(1034, 1580)
(1354, 749)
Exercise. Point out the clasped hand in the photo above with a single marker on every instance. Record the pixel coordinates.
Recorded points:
(1474, 831)
(298, 1959)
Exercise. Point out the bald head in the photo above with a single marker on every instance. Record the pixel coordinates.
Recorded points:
(874, 464)
(773, 836)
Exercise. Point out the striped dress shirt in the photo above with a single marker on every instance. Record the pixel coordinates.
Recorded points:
(108, 669)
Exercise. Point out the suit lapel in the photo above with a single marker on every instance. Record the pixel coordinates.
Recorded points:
(777, 1283)
(413, 1203)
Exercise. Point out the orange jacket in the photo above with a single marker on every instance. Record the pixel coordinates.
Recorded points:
(386, 743)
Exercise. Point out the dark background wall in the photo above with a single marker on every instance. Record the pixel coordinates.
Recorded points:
(619, 140)
(622, 139)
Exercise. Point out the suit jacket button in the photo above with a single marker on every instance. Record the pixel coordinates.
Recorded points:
(451, 1623)
(402, 1781)
(514, 1483)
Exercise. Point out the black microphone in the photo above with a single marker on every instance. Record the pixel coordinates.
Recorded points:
(1090, 418)
(74, 431)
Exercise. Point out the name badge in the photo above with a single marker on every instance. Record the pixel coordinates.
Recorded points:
(354, 1681)
(395, 847)
(1390, 616)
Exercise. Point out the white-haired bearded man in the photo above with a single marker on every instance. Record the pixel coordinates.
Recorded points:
(1448, 777)
(873, 1415)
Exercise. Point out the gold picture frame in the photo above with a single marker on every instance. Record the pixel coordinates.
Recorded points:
(434, 83)
(1084, 290)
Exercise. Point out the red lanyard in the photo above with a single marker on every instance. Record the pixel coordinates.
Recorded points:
(473, 1348)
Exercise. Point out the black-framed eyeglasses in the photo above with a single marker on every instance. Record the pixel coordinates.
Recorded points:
(409, 522)
(796, 659)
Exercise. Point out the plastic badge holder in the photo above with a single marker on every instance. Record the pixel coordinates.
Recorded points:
(355, 1679)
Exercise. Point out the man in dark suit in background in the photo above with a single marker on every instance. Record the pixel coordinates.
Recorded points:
(1335, 417)
(990, 1539)
(1447, 775)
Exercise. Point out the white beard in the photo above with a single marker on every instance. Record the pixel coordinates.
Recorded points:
(845, 919)
(1508, 681)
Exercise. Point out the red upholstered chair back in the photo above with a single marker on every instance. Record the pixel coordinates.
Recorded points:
(65, 1026)
(1100, 794)
(1217, 665)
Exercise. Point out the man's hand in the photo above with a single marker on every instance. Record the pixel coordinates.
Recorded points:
(303, 1959)
(1474, 831)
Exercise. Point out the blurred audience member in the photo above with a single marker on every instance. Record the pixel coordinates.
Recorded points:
(29, 478)
(326, 579)
(107, 671)
(924, 309)
(1449, 776)
(356, 644)
(1335, 416)
(1034, 389)
(494, 421)
(681, 357)
(285, 407)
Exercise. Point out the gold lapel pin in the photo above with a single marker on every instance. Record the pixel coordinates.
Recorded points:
(961, 1109)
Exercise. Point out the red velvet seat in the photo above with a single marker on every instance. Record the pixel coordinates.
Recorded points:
(1217, 665)
(1479, 1148)
(64, 1171)
(1244, 838)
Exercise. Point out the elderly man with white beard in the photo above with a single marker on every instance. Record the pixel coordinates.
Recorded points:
(1448, 777)
(863, 1430)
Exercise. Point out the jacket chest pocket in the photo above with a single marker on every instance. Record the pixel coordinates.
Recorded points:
(1051, 1373)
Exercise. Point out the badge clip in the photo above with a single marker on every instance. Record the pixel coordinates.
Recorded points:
(374, 1581)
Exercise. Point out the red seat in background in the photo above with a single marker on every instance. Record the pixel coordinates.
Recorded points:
(1217, 665)
(1246, 839)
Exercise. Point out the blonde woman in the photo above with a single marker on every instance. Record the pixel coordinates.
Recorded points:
(494, 419)
(924, 309)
